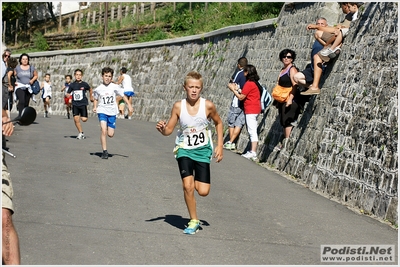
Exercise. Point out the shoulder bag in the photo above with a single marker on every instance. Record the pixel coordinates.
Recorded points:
(35, 86)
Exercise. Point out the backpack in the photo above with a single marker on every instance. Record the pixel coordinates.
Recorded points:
(35, 86)
(265, 97)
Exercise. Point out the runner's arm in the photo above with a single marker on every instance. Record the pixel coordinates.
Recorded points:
(213, 114)
(167, 128)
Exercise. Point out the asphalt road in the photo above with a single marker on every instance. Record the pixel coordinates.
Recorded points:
(74, 208)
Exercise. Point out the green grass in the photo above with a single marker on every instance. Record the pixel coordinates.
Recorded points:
(183, 21)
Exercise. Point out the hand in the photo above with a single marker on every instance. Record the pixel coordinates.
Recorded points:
(232, 86)
(161, 126)
(218, 153)
(8, 128)
(337, 32)
(310, 27)
(95, 110)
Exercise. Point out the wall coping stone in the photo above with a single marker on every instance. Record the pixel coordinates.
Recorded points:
(229, 29)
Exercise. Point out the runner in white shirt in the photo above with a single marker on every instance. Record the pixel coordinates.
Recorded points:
(46, 94)
(105, 106)
(126, 83)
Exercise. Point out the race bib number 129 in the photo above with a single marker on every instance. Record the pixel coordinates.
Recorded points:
(195, 139)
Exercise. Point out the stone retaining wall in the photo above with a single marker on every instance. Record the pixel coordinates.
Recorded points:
(345, 145)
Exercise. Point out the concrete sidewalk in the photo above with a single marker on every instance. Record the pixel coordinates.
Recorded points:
(74, 208)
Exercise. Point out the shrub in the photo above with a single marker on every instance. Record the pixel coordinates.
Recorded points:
(40, 42)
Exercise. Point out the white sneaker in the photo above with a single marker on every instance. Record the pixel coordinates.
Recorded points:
(50, 111)
(326, 52)
(250, 155)
(130, 117)
(81, 136)
(228, 145)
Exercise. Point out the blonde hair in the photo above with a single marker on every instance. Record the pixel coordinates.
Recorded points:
(194, 75)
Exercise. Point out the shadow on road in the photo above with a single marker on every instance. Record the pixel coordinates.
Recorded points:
(109, 155)
(177, 221)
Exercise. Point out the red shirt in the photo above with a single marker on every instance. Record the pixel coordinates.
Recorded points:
(252, 104)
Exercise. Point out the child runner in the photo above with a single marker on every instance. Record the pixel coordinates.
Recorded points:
(126, 82)
(78, 90)
(106, 106)
(194, 145)
(67, 99)
(46, 94)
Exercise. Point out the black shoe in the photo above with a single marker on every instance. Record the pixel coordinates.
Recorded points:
(68, 115)
(104, 155)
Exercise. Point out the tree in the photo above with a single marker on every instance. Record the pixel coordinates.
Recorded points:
(14, 10)
(50, 7)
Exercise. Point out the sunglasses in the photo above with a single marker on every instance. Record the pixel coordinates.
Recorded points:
(290, 57)
(7, 55)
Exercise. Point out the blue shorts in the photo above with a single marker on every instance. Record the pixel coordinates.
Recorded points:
(129, 93)
(107, 118)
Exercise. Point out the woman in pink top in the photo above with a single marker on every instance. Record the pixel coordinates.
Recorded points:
(250, 95)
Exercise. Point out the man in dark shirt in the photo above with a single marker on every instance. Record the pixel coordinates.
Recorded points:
(236, 118)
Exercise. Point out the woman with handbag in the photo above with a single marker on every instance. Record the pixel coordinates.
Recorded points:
(250, 95)
(286, 95)
(26, 76)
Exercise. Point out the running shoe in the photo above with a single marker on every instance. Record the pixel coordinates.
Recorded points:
(68, 116)
(228, 145)
(104, 155)
(193, 227)
(250, 155)
(81, 136)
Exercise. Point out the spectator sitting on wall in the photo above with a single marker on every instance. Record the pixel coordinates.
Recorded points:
(306, 77)
(318, 59)
(341, 31)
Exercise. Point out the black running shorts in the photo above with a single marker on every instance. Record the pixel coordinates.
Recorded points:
(80, 111)
(201, 169)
